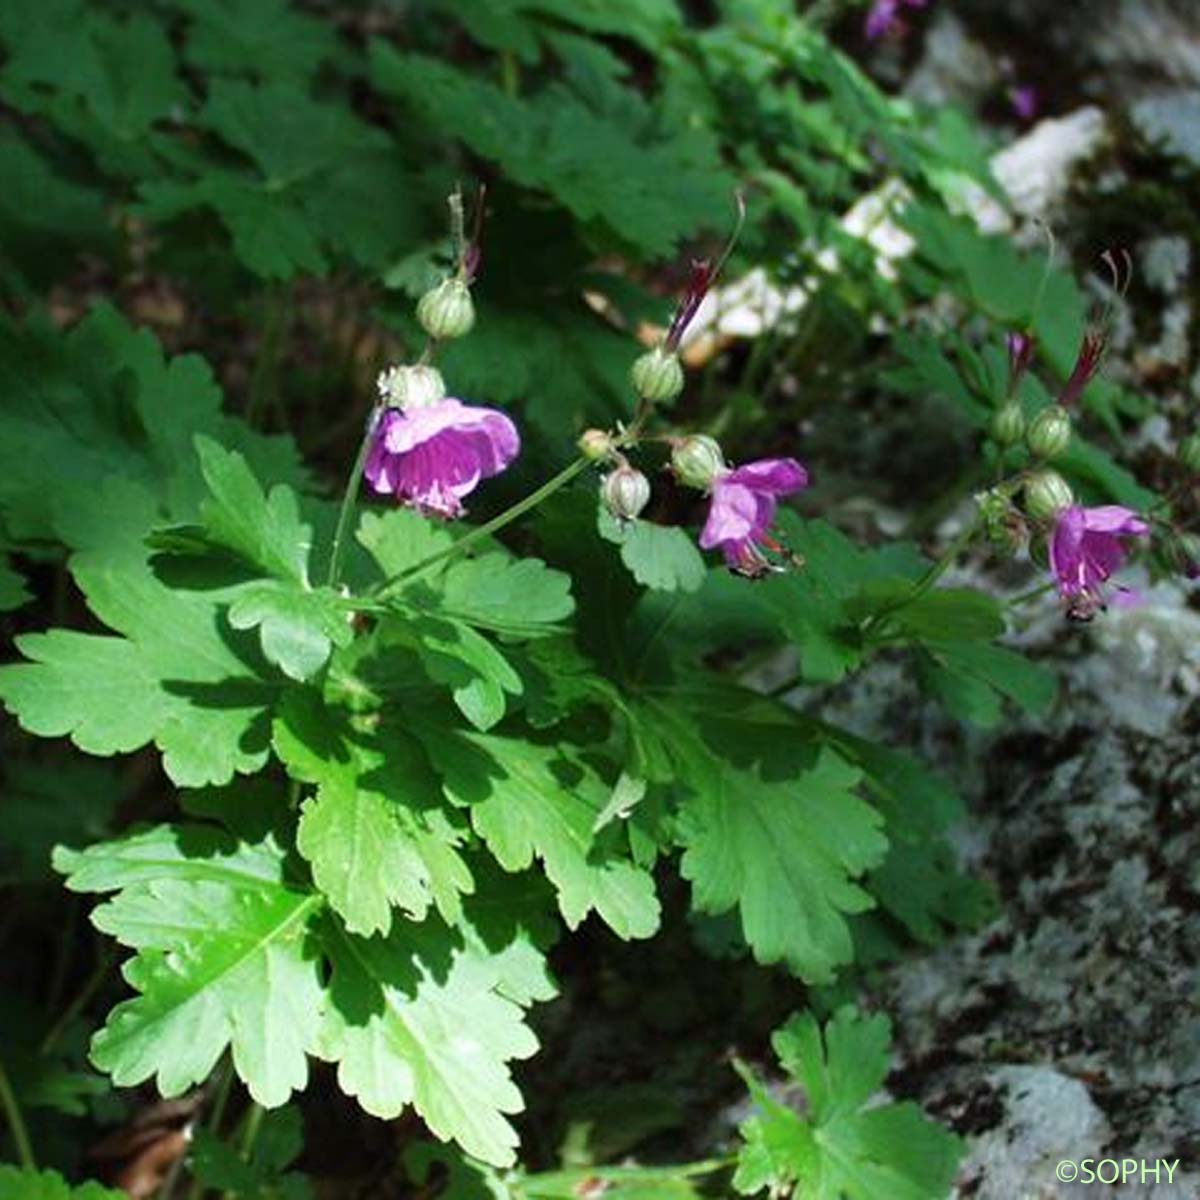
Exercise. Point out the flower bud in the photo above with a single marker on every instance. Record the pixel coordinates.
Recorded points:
(1004, 526)
(418, 386)
(1189, 452)
(1046, 495)
(657, 376)
(697, 460)
(1049, 432)
(595, 445)
(1008, 423)
(625, 492)
(447, 311)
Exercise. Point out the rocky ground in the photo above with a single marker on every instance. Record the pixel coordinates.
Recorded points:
(1069, 1027)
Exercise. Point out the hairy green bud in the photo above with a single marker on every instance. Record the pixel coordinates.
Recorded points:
(1047, 493)
(657, 376)
(447, 310)
(1008, 423)
(697, 460)
(1049, 433)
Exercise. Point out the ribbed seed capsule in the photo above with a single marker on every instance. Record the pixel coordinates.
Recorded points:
(697, 460)
(1047, 493)
(625, 492)
(1008, 423)
(1049, 433)
(447, 310)
(657, 376)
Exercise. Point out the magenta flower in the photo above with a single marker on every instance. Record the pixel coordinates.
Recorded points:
(431, 457)
(883, 19)
(1086, 550)
(743, 509)
(1025, 100)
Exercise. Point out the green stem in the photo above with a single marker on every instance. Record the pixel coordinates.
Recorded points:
(253, 1123)
(350, 499)
(481, 531)
(16, 1122)
(1032, 594)
(89, 989)
(935, 572)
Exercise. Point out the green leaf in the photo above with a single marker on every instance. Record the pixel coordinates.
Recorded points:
(466, 662)
(528, 800)
(971, 679)
(659, 556)
(223, 961)
(842, 1150)
(786, 853)
(69, 802)
(20, 1183)
(266, 38)
(401, 539)
(260, 1176)
(178, 678)
(519, 597)
(13, 592)
(265, 530)
(375, 832)
(270, 234)
(232, 952)
(421, 1020)
(582, 154)
(298, 628)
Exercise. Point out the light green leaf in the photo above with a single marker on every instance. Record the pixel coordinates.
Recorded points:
(231, 952)
(180, 679)
(528, 800)
(375, 832)
(662, 557)
(841, 1150)
(787, 854)
(401, 539)
(298, 628)
(476, 672)
(421, 1020)
(20, 1183)
(223, 961)
(265, 530)
(520, 597)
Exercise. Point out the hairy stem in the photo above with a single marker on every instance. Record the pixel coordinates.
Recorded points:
(350, 500)
(499, 521)
(16, 1122)
(935, 572)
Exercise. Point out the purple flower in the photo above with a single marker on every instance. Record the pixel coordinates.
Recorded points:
(884, 20)
(1086, 550)
(431, 457)
(1025, 100)
(743, 508)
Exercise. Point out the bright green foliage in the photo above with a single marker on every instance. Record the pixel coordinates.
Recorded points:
(528, 800)
(176, 679)
(786, 854)
(841, 1150)
(658, 556)
(17, 1183)
(230, 952)
(375, 832)
(222, 960)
